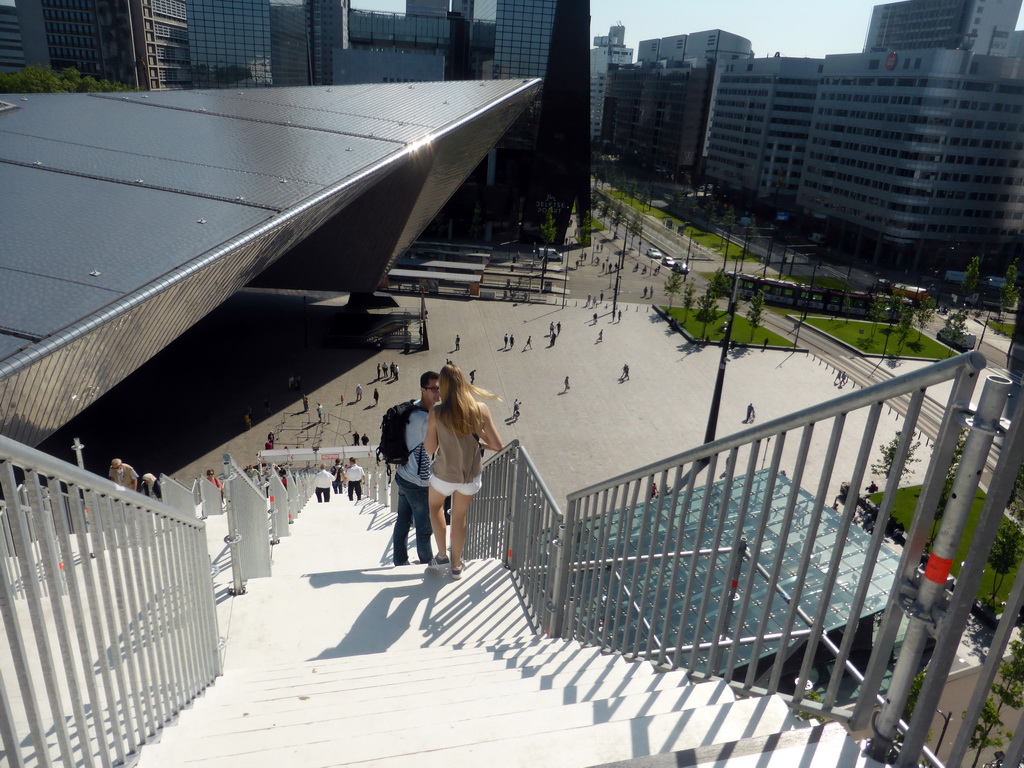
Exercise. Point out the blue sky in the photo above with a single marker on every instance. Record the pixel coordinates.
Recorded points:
(791, 27)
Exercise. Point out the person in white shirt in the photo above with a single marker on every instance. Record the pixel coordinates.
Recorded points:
(322, 481)
(355, 474)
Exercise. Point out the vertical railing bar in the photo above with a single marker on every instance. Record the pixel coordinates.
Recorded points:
(119, 512)
(810, 545)
(46, 510)
(77, 600)
(643, 590)
(681, 513)
(716, 544)
(586, 611)
(164, 586)
(755, 556)
(698, 537)
(650, 526)
(104, 545)
(8, 735)
(197, 599)
(787, 527)
(158, 661)
(15, 638)
(185, 627)
(203, 597)
(613, 566)
(695, 562)
(741, 521)
(623, 608)
(598, 588)
(671, 516)
(138, 553)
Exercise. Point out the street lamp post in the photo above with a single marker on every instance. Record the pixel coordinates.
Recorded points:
(716, 397)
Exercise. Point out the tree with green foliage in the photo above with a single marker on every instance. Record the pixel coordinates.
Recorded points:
(923, 315)
(971, 276)
(673, 286)
(1006, 553)
(755, 312)
(877, 311)
(1009, 293)
(727, 221)
(707, 309)
(1007, 691)
(749, 233)
(586, 226)
(548, 230)
(38, 79)
(847, 306)
(720, 285)
(888, 455)
(903, 329)
(955, 330)
(689, 299)
(618, 214)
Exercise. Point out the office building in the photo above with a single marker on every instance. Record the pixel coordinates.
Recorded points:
(656, 116)
(426, 8)
(608, 51)
(708, 45)
(981, 26)
(165, 41)
(757, 136)
(916, 160)
(12, 53)
(247, 43)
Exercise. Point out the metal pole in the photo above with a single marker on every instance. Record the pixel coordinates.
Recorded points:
(77, 448)
(924, 610)
(716, 398)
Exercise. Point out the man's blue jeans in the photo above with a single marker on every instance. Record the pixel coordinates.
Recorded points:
(412, 510)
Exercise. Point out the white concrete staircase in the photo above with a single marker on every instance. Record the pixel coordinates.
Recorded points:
(464, 683)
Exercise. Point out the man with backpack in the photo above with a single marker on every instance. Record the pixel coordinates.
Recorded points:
(403, 431)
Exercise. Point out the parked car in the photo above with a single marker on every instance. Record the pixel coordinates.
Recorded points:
(668, 261)
(654, 253)
(550, 254)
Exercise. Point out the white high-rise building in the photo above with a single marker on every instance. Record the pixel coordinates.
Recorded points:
(981, 26)
(607, 51)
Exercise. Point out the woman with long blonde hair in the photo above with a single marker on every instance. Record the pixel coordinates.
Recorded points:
(459, 428)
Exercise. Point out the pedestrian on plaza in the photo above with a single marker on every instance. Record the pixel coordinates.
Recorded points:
(247, 420)
(504, 344)
(750, 414)
(558, 328)
(595, 318)
(354, 474)
(551, 329)
(341, 399)
(511, 341)
(394, 369)
(526, 346)
(359, 392)
(600, 336)
(472, 376)
(269, 445)
(566, 384)
(625, 373)
(365, 439)
(378, 372)
(588, 301)
(319, 413)
(355, 438)
(338, 477)
(602, 296)
(376, 397)
(322, 481)
(515, 409)
(413, 478)
(305, 404)
(458, 342)
(459, 428)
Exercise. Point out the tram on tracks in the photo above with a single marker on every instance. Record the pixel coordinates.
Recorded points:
(820, 299)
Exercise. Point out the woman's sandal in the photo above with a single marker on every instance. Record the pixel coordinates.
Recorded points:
(456, 573)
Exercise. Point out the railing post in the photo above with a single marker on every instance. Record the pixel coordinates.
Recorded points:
(925, 610)
(234, 538)
(556, 606)
(512, 502)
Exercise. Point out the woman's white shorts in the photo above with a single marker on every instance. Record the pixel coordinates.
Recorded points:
(466, 489)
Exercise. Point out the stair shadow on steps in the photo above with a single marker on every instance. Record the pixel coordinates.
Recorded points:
(418, 607)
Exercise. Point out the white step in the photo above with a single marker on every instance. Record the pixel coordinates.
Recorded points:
(576, 735)
(822, 746)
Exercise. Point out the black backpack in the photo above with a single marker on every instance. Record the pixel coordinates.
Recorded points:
(392, 446)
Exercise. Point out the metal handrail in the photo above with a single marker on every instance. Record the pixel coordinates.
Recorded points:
(117, 630)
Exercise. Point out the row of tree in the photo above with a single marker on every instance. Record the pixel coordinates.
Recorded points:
(37, 79)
